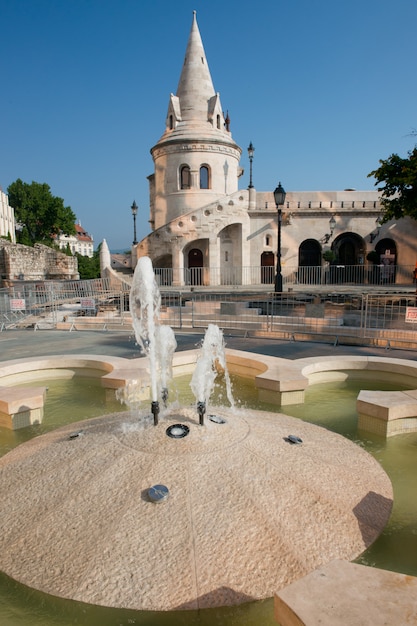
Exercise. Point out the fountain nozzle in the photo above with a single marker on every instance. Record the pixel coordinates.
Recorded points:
(201, 408)
(155, 412)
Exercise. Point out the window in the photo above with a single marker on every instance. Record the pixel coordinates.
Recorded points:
(185, 177)
(204, 177)
(218, 121)
(171, 122)
(268, 240)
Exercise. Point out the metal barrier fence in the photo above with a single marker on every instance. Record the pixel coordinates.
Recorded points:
(49, 302)
(365, 318)
(359, 317)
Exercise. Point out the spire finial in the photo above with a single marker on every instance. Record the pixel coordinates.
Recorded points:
(195, 87)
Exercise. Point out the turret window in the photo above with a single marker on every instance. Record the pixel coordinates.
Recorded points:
(185, 177)
(204, 177)
(171, 122)
(218, 122)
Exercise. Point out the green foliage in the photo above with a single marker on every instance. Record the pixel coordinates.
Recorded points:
(399, 191)
(89, 267)
(373, 257)
(41, 214)
(329, 256)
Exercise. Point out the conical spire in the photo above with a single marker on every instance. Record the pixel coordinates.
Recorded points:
(195, 87)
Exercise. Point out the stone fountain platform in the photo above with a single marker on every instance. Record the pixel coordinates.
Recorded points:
(247, 514)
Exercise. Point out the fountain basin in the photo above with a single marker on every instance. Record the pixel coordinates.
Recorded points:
(278, 381)
(247, 513)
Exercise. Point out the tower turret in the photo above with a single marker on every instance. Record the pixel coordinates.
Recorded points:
(196, 160)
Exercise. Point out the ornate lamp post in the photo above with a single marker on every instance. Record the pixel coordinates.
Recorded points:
(279, 196)
(134, 208)
(251, 151)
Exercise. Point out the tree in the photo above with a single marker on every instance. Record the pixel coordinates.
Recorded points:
(399, 191)
(40, 214)
(89, 267)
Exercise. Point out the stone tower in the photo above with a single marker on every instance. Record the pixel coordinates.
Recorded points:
(196, 160)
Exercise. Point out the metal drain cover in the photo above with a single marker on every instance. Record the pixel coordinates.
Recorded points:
(217, 419)
(158, 493)
(294, 439)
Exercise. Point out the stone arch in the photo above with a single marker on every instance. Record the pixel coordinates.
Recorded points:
(185, 177)
(387, 246)
(349, 249)
(387, 250)
(267, 267)
(205, 182)
(195, 265)
(230, 241)
(163, 269)
(309, 262)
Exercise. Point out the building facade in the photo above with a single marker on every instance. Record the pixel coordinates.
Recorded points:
(207, 231)
(7, 221)
(81, 242)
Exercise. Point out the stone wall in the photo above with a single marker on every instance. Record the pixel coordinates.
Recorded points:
(18, 262)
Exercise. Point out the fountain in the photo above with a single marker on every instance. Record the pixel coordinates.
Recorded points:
(158, 342)
(241, 500)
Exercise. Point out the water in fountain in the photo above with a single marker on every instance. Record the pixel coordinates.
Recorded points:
(211, 360)
(156, 340)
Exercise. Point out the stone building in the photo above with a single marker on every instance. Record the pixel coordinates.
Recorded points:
(81, 242)
(7, 222)
(205, 230)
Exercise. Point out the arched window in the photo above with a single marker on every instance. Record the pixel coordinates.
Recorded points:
(171, 122)
(204, 177)
(185, 177)
(218, 121)
(268, 240)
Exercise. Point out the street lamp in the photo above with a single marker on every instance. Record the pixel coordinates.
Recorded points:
(134, 208)
(279, 196)
(332, 225)
(251, 151)
(374, 235)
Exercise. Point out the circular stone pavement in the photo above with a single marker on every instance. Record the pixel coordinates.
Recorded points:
(247, 512)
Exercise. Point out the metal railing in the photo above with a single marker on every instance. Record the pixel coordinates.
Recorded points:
(292, 275)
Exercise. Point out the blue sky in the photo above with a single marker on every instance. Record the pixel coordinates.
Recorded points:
(323, 89)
